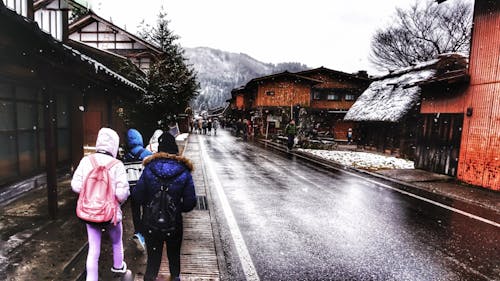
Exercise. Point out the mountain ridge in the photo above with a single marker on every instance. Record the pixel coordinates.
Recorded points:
(218, 72)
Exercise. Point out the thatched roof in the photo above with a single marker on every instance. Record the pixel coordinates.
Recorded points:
(391, 97)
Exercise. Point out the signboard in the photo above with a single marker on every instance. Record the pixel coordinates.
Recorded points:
(134, 171)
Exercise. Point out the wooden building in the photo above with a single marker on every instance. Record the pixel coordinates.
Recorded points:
(102, 34)
(479, 105)
(388, 111)
(104, 110)
(321, 94)
(332, 98)
(53, 17)
(271, 101)
(45, 86)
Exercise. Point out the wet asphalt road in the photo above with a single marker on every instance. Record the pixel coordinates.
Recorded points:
(300, 222)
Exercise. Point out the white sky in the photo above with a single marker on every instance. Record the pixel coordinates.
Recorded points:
(331, 33)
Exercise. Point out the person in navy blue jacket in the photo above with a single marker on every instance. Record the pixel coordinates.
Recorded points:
(166, 165)
(136, 152)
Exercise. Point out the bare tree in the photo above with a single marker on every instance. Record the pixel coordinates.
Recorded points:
(421, 33)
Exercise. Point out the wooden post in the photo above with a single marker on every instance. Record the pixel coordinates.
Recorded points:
(50, 150)
(76, 130)
(267, 128)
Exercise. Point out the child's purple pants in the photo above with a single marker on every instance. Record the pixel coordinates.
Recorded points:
(94, 234)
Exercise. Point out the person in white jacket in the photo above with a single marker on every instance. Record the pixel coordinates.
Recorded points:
(106, 149)
(153, 142)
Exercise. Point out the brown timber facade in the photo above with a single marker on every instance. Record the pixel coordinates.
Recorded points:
(479, 104)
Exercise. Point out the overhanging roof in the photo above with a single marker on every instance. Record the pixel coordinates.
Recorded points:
(388, 100)
(332, 72)
(71, 56)
(391, 97)
(284, 75)
(91, 17)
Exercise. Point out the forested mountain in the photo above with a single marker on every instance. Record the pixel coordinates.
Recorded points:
(219, 72)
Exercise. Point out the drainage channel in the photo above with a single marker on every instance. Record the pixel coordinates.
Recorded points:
(201, 203)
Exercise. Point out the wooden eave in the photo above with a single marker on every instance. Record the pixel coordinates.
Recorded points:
(51, 55)
(451, 77)
(109, 59)
(238, 90)
(40, 4)
(284, 75)
(91, 16)
(332, 72)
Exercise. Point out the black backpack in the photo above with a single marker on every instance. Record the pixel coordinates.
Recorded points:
(160, 215)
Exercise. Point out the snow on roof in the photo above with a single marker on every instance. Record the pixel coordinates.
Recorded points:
(100, 67)
(389, 99)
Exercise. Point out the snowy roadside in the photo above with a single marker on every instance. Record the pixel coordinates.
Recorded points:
(361, 160)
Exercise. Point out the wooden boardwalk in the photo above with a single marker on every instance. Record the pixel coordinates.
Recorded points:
(198, 253)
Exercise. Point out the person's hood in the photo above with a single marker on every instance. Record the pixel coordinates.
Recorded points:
(166, 165)
(107, 140)
(134, 138)
(156, 135)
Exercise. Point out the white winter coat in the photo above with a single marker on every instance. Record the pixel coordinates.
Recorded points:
(153, 142)
(107, 140)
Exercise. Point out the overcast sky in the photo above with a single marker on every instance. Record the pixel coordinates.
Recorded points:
(331, 33)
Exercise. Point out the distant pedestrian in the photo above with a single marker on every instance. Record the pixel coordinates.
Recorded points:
(239, 127)
(200, 126)
(349, 136)
(106, 149)
(136, 152)
(290, 131)
(215, 125)
(165, 168)
(204, 126)
(244, 127)
(209, 126)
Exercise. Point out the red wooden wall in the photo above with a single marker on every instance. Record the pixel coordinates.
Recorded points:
(479, 161)
(240, 102)
(286, 93)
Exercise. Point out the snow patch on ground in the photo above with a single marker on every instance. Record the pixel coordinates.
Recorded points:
(361, 160)
(182, 137)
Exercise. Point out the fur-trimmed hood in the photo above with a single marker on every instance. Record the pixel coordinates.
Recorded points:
(166, 165)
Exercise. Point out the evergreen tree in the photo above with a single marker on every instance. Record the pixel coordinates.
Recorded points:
(170, 83)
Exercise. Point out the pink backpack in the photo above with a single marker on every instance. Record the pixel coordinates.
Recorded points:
(97, 202)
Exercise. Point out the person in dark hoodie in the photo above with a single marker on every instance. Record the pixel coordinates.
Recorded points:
(136, 152)
(166, 166)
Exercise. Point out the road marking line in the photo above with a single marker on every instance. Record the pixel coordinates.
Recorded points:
(241, 248)
(472, 216)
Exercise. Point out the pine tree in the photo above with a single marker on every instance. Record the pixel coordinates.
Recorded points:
(171, 82)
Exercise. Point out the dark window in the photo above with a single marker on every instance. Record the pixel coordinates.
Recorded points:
(350, 97)
(269, 93)
(333, 97)
(21, 112)
(63, 132)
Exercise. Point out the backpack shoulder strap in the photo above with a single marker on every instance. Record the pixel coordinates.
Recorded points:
(111, 163)
(108, 166)
(137, 155)
(93, 161)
